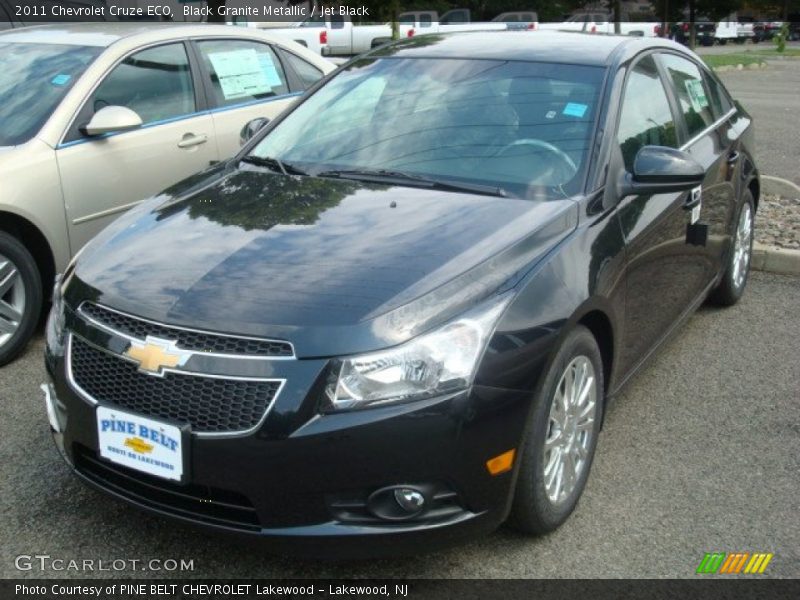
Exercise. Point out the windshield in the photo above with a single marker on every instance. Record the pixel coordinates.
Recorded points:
(522, 127)
(33, 80)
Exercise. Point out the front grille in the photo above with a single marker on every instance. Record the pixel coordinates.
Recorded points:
(188, 340)
(208, 404)
(196, 502)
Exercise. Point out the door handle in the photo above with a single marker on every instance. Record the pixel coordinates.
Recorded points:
(190, 140)
(733, 157)
(695, 196)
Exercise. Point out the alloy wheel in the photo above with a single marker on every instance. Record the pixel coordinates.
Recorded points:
(12, 299)
(742, 245)
(570, 429)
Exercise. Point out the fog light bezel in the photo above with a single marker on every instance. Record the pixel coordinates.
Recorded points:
(383, 503)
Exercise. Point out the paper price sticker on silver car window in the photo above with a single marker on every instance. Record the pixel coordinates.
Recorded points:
(697, 94)
(241, 73)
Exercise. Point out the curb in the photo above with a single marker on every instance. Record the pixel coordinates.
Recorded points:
(775, 260)
(778, 186)
(739, 67)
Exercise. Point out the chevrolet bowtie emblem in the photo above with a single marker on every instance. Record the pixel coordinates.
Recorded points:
(138, 445)
(154, 355)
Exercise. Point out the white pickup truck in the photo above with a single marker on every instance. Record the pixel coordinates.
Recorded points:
(457, 19)
(313, 39)
(599, 22)
(342, 37)
(345, 38)
(730, 29)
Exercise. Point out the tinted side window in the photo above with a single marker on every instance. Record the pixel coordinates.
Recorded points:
(718, 97)
(155, 83)
(242, 71)
(691, 92)
(645, 118)
(308, 73)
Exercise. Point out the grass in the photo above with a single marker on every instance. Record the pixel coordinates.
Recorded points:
(724, 60)
(767, 52)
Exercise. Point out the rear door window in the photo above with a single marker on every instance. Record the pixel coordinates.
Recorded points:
(691, 91)
(720, 102)
(240, 71)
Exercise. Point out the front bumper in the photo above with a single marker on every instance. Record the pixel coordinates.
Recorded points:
(306, 486)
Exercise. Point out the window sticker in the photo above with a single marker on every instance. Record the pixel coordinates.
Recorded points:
(697, 95)
(240, 73)
(61, 79)
(573, 109)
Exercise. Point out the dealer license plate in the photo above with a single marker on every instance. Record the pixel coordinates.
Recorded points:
(140, 443)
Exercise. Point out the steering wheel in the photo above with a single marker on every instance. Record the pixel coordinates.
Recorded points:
(563, 156)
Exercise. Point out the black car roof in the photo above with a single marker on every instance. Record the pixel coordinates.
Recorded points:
(542, 46)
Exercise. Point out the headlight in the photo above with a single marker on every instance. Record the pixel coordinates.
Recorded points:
(432, 364)
(55, 321)
(54, 330)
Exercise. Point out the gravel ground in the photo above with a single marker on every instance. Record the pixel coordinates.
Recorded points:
(778, 222)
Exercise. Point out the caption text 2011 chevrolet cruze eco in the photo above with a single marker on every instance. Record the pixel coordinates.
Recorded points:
(396, 318)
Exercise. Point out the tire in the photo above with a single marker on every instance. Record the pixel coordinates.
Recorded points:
(20, 297)
(734, 280)
(539, 507)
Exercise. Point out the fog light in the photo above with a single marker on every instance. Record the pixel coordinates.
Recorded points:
(410, 500)
(399, 502)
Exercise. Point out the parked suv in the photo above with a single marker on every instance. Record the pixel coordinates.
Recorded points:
(95, 117)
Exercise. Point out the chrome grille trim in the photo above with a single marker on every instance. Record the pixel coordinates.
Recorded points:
(108, 329)
(94, 402)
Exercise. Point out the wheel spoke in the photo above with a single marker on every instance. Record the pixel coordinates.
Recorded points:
(580, 452)
(587, 411)
(559, 482)
(569, 388)
(9, 313)
(586, 424)
(552, 468)
(558, 411)
(8, 277)
(588, 387)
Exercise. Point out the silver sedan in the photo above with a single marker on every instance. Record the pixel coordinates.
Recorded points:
(96, 117)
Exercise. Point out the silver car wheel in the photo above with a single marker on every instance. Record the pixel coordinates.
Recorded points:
(570, 429)
(742, 245)
(12, 299)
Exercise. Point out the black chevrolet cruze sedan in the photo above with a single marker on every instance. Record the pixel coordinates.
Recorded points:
(395, 319)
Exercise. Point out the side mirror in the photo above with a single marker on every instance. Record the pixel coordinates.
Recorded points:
(251, 128)
(660, 170)
(112, 119)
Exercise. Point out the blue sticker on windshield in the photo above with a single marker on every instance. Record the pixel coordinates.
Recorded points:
(61, 79)
(572, 109)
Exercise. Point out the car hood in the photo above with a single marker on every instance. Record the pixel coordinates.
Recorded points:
(335, 266)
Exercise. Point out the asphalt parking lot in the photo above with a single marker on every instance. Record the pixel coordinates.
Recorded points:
(700, 453)
(770, 96)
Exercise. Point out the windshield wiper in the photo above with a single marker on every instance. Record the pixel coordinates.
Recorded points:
(274, 164)
(417, 180)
